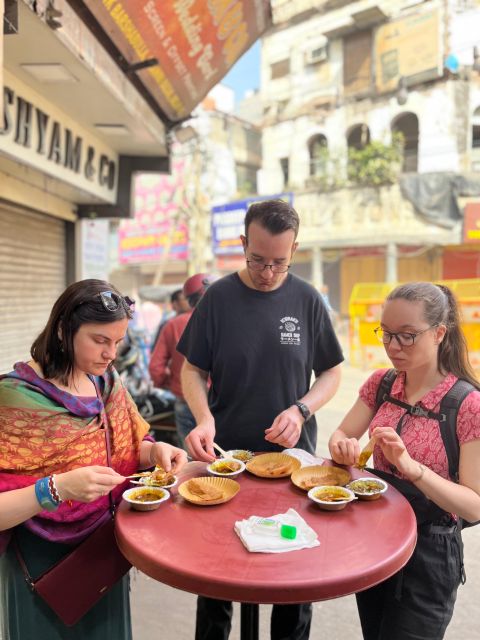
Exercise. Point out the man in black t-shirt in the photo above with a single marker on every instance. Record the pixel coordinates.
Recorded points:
(259, 334)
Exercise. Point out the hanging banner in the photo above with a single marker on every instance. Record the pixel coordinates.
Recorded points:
(156, 227)
(190, 44)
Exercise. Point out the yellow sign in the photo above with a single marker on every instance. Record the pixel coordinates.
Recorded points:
(408, 47)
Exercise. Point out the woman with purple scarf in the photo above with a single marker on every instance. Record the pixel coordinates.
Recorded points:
(55, 480)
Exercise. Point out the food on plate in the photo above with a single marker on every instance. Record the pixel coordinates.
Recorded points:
(309, 477)
(314, 481)
(329, 494)
(204, 491)
(225, 466)
(273, 465)
(159, 478)
(368, 488)
(276, 468)
(365, 486)
(242, 454)
(144, 495)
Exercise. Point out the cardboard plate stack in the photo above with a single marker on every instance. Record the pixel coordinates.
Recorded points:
(318, 475)
(208, 491)
(273, 465)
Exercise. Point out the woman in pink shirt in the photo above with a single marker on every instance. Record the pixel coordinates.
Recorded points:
(420, 329)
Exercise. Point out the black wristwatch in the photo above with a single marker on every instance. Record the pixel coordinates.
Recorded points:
(304, 410)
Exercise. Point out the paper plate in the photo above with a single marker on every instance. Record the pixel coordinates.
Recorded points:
(143, 482)
(363, 489)
(316, 495)
(318, 475)
(132, 497)
(228, 487)
(273, 465)
(214, 467)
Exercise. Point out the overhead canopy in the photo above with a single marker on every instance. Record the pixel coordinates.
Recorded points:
(175, 51)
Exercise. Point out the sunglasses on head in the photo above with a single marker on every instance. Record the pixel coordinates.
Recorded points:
(112, 301)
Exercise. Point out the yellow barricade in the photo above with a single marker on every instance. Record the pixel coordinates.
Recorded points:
(365, 308)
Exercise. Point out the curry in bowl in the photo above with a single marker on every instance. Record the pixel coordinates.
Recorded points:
(368, 488)
(331, 498)
(226, 467)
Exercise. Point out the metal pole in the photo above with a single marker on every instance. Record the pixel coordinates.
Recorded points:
(317, 268)
(391, 274)
(249, 621)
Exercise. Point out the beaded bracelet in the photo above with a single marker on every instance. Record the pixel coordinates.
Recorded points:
(53, 489)
(43, 495)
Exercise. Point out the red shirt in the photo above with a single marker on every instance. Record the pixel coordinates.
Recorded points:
(166, 362)
(421, 436)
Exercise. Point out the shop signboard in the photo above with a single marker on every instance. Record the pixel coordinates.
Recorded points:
(410, 48)
(34, 132)
(180, 49)
(471, 223)
(227, 223)
(157, 231)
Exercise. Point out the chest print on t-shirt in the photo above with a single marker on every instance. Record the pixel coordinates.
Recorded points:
(289, 330)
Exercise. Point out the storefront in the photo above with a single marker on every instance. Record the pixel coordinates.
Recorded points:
(58, 166)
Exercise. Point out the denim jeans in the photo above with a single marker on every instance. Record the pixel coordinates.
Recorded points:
(184, 420)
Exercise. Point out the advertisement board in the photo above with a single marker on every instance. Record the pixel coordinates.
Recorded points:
(471, 223)
(227, 223)
(189, 45)
(157, 227)
(408, 47)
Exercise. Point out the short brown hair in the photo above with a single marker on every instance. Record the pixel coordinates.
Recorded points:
(276, 216)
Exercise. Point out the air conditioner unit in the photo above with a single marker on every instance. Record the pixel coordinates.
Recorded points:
(317, 54)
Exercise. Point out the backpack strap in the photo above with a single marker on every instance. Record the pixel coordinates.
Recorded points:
(446, 418)
(450, 406)
(384, 388)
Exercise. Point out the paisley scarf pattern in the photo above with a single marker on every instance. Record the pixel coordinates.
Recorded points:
(45, 430)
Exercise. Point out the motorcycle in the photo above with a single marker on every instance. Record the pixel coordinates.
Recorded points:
(156, 406)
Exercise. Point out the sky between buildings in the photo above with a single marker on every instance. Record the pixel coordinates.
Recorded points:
(245, 73)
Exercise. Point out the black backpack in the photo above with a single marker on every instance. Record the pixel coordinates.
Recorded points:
(447, 418)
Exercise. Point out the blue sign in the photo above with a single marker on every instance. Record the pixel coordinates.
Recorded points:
(228, 223)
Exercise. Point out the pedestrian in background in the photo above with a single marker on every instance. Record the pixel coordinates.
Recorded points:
(166, 362)
(179, 304)
(57, 412)
(420, 329)
(259, 334)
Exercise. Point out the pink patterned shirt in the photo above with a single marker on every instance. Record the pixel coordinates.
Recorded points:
(421, 435)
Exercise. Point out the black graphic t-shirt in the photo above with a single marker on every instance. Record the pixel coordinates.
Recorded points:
(260, 349)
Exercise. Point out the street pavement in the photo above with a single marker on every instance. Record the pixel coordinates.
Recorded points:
(161, 611)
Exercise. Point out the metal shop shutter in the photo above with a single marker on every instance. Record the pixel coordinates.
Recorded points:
(32, 275)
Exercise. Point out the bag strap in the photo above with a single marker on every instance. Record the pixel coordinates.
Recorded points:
(105, 424)
(447, 416)
(26, 573)
(384, 388)
(106, 429)
(450, 406)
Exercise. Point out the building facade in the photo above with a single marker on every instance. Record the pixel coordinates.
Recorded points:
(371, 120)
(91, 91)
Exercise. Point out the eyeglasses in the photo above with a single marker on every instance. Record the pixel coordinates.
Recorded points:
(253, 265)
(404, 338)
(112, 301)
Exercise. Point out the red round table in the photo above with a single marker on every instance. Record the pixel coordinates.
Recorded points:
(195, 548)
